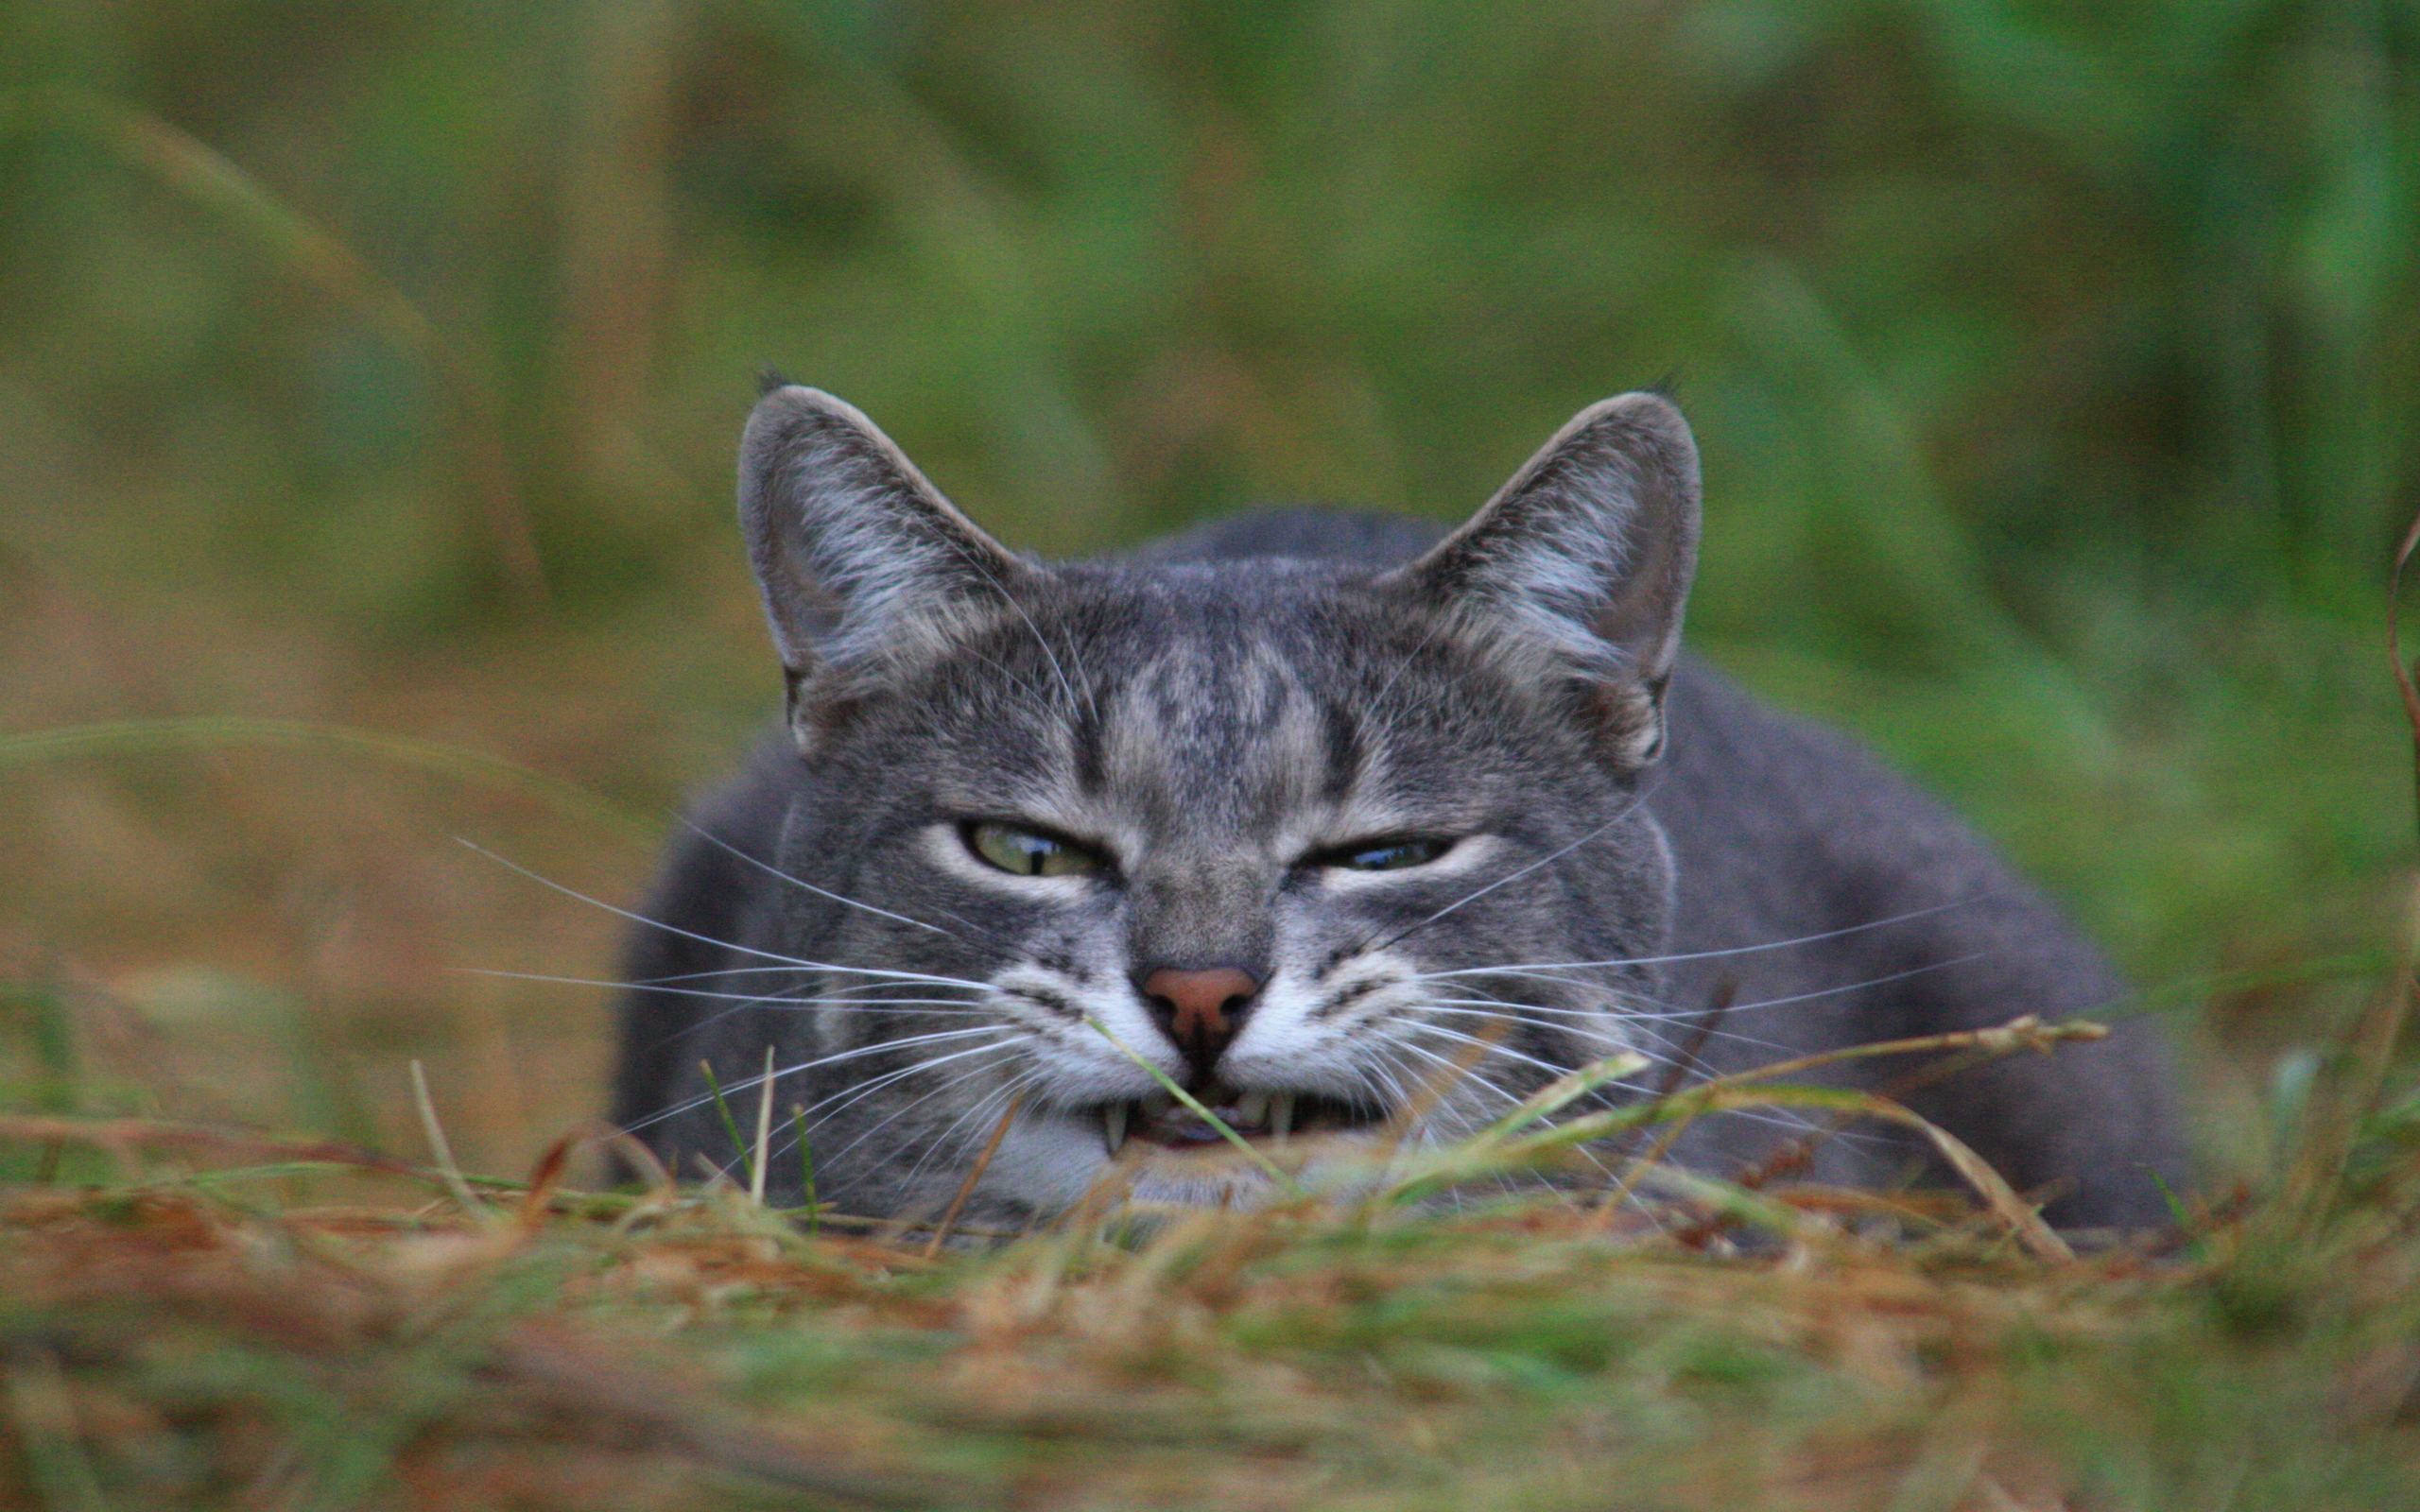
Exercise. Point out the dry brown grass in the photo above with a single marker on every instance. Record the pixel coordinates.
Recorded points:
(242, 1322)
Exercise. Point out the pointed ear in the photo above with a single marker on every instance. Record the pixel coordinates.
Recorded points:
(863, 565)
(1587, 554)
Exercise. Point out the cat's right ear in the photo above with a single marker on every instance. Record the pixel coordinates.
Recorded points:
(864, 567)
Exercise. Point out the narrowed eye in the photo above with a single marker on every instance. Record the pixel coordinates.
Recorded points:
(1383, 855)
(1025, 853)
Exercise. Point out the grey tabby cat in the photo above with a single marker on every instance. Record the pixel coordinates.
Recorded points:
(1331, 821)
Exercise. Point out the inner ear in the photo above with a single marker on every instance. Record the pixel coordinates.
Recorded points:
(1586, 555)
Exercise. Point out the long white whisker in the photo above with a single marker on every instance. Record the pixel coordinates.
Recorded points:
(1405, 666)
(1459, 1037)
(1543, 968)
(1810, 995)
(1469, 1074)
(745, 1084)
(974, 1115)
(1511, 1098)
(834, 1156)
(783, 877)
(1782, 1119)
(1682, 1015)
(953, 1005)
(904, 1110)
(1467, 898)
(1074, 698)
(1650, 1022)
(707, 939)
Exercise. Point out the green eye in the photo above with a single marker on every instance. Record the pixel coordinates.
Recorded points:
(1394, 855)
(1027, 852)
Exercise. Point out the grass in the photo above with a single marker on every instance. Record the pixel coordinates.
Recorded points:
(201, 1331)
(368, 381)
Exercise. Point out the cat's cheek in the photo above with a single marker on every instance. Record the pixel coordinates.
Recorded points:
(1049, 1162)
(1305, 1035)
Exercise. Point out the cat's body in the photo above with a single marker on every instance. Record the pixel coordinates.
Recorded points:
(1323, 837)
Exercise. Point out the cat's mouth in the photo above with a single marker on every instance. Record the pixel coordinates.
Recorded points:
(1158, 1118)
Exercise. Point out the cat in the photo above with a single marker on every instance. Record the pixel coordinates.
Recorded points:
(1347, 828)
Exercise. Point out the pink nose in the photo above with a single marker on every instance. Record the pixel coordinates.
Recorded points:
(1200, 1008)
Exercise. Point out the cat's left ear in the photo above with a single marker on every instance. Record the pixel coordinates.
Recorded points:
(1587, 553)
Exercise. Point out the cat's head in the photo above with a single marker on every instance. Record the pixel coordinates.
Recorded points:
(1346, 850)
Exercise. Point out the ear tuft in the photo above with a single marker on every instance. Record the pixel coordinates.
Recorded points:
(864, 567)
(1586, 555)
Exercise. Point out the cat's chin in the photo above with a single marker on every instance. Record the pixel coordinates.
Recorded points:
(1222, 1176)
(1059, 1163)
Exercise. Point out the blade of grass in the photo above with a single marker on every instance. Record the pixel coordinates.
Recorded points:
(974, 1174)
(439, 1147)
(121, 1135)
(1268, 1166)
(1564, 1090)
(1455, 1164)
(47, 1436)
(2025, 1032)
(1729, 1200)
(2403, 683)
(722, 1109)
(762, 1165)
(806, 1169)
(190, 168)
(141, 736)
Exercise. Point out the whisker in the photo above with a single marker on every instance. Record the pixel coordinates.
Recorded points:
(847, 1095)
(748, 1083)
(708, 939)
(1540, 968)
(660, 984)
(974, 1115)
(1812, 994)
(1469, 1074)
(1459, 1037)
(1049, 654)
(785, 1001)
(785, 878)
(754, 971)
(1809, 995)
(905, 1110)
(1787, 1119)
(1467, 1123)
(1405, 666)
(1467, 898)
(1627, 1018)
(832, 1157)
(836, 1155)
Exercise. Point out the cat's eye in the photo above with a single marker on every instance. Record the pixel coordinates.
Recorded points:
(1385, 855)
(1027, 852)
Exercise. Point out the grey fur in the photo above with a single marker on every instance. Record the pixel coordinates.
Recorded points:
(1216, 716)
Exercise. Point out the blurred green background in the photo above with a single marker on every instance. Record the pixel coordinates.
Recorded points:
(376, 367)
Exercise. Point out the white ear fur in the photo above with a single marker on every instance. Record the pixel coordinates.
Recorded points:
(862, 563)
(1587, 553)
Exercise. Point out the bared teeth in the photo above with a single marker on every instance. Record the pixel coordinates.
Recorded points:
(1252, 1109)
(1112, 1125)
(1281, 1114)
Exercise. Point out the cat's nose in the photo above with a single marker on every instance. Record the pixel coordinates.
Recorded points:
(1200, 1008)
